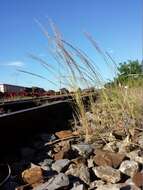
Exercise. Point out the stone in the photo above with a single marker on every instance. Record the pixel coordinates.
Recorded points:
(64, 134)
(78, 161)
(49, 153)
(83, 149)
(62, 146)
(134, 155)
(59, 155)
(59, 165)
(129, 167)
(140, 140)
(138, 179)
(78, 187)
(129, 184)
(106, 158)
(80, 171)
(96, 183)
(57, 148)
(27, 153)
(57, 182)
(33, 175)
(109, 186)
(63, 151)
(107, 173)
(90, 163)
(97, 145)
(125, 145)
(46, 164)
(129, 181)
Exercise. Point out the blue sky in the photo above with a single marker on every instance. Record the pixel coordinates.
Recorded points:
(115, 24)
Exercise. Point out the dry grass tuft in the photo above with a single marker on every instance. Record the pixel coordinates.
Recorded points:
(117, 107)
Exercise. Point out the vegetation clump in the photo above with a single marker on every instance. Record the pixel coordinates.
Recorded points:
(119, 105)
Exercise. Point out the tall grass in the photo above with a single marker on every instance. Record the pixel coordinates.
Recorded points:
(117, 108)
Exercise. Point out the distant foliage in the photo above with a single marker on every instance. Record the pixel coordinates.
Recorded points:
(129, 70)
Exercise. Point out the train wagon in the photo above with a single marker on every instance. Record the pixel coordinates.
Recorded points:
(8, 88)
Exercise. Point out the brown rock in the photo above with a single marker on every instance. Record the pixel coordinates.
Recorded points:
(64, 134)
(106, 158)
(138, 179)
(33, 176)
(59, 155)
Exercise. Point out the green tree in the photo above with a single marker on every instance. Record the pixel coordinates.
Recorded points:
(129, 70)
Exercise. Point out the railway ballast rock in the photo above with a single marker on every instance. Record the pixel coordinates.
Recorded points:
(64, 161)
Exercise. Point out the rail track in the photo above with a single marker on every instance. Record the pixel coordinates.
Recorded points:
(7, 106)
(18, 126)
(27, 117)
